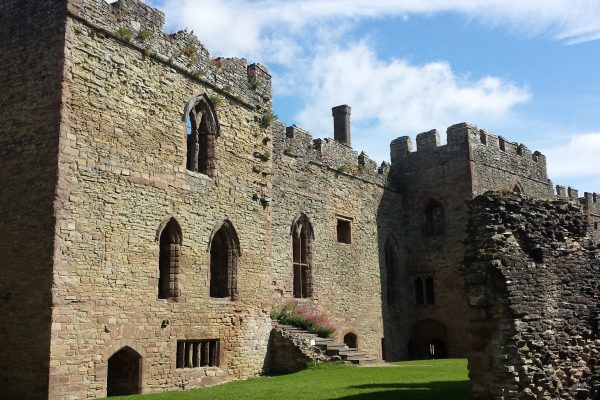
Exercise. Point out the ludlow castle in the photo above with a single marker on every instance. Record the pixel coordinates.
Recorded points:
(154, 212)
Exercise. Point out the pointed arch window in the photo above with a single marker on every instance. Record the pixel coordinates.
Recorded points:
(302, 257)
(224, 255)
(203, 130)
(169, 259)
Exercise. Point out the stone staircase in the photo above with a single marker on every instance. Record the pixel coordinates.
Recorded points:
(323, 349)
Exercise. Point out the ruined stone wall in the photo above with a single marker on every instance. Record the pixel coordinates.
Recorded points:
(324, 179)
(531, 273)
(500, 165)
(438, 174)
(31, 49)
(123, 175)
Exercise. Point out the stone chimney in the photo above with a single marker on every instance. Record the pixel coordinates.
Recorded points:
(341, 124)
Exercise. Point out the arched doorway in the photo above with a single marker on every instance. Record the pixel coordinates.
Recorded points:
(351, 340)
(124, 371)
(428, 340)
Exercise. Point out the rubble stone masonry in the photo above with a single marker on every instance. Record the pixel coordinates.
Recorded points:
(531, 273)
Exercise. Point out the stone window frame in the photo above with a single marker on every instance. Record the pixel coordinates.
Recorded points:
(435, 225)
(347, 222)
(201, 140)
(302, 257)
(424, 290)
(234, 253)
(169, 258)
(198, 353)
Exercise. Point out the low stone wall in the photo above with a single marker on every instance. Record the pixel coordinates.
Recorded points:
(532, 274)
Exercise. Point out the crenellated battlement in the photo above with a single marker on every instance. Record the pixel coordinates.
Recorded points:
(140, 26)
(497, 164)
(297, 143)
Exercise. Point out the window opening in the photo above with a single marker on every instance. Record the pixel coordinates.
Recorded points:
(224, 253)
(429, 291)
(168, 264)
(434, 216)
(301, 242)
(419, 292)
(197, 353)
(344, 230)
(203, 129)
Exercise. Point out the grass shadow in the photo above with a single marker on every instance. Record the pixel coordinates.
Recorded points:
(460, 390)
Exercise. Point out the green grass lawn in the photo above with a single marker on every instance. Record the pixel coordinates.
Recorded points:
(412, 380)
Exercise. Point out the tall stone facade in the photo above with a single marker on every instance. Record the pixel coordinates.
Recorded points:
(154, 212)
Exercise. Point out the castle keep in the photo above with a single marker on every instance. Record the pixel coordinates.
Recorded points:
(154, 212)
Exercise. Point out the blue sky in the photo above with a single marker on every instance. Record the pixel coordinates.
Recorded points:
(527, 70)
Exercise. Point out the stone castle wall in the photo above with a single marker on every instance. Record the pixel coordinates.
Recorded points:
(531, 272)
(31, 50)
(439, 174)
(324, 179)
(93, 150)
(123, 175)
(500, 165)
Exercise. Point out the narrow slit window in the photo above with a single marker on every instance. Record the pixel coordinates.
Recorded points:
(429, 291)
(419, 292)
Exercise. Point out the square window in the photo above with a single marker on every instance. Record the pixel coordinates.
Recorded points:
(344, 230)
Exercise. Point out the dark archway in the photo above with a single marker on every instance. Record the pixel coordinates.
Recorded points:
(351, 340)
(429, 340)
(124, 373)
(168, 262)
(224, 254)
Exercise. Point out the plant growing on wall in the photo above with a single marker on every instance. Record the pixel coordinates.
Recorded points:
(144, 34)
(125, 33)
(253, 82)
(215, 100)
(266, 156)
(267, 119)
(342, 169)
(303, 316)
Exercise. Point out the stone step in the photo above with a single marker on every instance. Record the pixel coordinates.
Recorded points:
(362, 360)
(352, 353)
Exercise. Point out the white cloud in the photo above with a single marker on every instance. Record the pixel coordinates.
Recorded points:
(393, 98)
(577, 163)
(244, 27)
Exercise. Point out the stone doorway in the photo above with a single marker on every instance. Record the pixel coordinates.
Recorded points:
(124, 371)
(428, 340)
(351, 340)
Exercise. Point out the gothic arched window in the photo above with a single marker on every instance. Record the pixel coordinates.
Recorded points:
(224, 254)
(202, 135)
(168, 261)
(302, 257)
